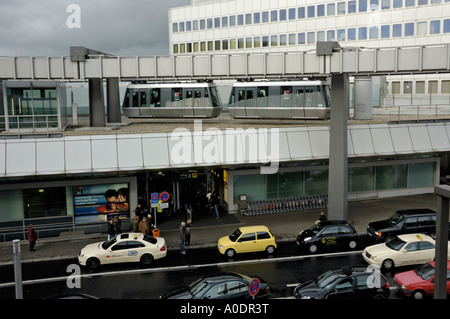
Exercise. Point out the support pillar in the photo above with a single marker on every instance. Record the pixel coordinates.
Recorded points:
(113, 100)
(338, 166)
(440, 266)
(96, 103)
(363, 98)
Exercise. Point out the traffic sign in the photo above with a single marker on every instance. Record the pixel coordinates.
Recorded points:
(254, 286)
(154, 199)
(164, 196)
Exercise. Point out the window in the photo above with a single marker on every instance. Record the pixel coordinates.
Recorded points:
(217, 291)
(188, 25)
(248, 43)
(341, 8)
(420, 87)
(362, 5)
(217, 45)
(240, 19)
(291, 13)
(257, 42)
(311, 37)
(385, 31)
(320, 36)
(385, 4)
(301, 38)
(435, 27)
(44, 202)
(232, 44)
(422, 2)
(273, 16)
(209, 23)
(283, 15)
(202, 24)
(373, 32)
(391, 177)
(320, 10)
(175, 27)
(432, 86)
(256, 17)
(410, 3)
(422, 28)
(426, 245)
(216, 22)
(301, 12)
(331, 231)
(351, 6)
(409, 29)
(265, 17)
(351, 34)
(446, 26)
(175, 48)
(421, 174)
(331, 9)
(407, 87)
(341, 34)
(247, 237)
(236, 287)
(240, 43)
(265, 41)
(373, 5)
(397, 30)
(232, 21)
(274, 40)
(292, 39)
(195, 25)
(248, 18)
(283, 39)
(224, 22)
(331, 36)
(311, 11)
(398, 3)
(445, 86)
(395, 87)
(362, 33)
(412, 246)
(263, 235)
(181, 26)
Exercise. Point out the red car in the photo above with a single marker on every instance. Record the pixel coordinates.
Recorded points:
(419, 282)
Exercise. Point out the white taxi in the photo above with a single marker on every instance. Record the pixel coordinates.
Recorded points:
(127, 247)
(402, 250)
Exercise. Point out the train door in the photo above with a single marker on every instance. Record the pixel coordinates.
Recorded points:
(143, 103)
(188, 110)
(250, 99)
(286, 102)
(310, 107)
(298, 105)
(237, 99)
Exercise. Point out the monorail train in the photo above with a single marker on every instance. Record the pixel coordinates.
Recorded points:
(172, 100)
(280, 100)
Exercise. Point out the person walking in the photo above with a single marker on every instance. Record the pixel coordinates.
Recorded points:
(139, 212)
(135, 224)
(188, 232)
(111, 229)
(144, 226)
(183, 237)
(32, 237)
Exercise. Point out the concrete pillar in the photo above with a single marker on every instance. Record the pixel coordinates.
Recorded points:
(440, 279)
(338, 166)
(96, 104)
(363, 98)
(113, 100)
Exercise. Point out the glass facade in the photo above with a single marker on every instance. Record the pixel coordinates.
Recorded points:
(315, 182)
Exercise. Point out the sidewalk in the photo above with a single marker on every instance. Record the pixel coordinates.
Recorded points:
(206, 231)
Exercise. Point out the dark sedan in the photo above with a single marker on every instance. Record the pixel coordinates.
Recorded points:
(220, 286)
(330, 233)
(345, 283)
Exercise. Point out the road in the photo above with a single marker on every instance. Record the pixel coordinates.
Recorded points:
(283, 271)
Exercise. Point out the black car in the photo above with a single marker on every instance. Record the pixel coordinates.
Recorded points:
(345, 283)
(421, 220)
(330, 233)
(220, 286)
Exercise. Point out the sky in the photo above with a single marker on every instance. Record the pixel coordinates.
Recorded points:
(118, 27)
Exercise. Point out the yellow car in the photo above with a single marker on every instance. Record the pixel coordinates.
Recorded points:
(248, 239)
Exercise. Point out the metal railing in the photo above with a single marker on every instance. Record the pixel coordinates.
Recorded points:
(20, 124)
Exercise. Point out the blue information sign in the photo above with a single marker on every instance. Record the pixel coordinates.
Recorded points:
(154, 199)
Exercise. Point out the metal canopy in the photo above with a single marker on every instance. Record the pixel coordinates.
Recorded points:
(84, 64)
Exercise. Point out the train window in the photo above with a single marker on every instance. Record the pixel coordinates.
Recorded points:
(177, 97)
(215, 97)
(285, 95)
(241, 97)
(327, 95)
(249, 98)
(445, 88)
(135, 98)
(189, 98)
(232, 98)
(143, 99)
(197, 97)
(420, 87)
(309, 97)
(126, 100)
(155, 98)
(207, 100)
(262, 99)
(319, 99)
(299, 97)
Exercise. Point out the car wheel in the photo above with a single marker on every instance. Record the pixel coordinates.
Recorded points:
(313, 248)
(352, 244)
(146, 259)
(270, 250)
(92, 263)
(379, 296)
(230, 253)
(387, 264)
(418, 294)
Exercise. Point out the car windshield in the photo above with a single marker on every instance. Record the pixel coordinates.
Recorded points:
(326, 279)
(109, 243)
(316, 228)
(395, 243)
(198, 287)
(395, 219)
(149, 239)
(234, 236)
(426, 271)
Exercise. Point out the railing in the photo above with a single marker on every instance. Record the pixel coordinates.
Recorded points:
(20, 124)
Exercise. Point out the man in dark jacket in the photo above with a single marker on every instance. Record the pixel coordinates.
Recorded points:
(32, 237)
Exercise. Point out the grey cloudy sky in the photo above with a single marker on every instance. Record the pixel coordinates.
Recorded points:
(119, 27)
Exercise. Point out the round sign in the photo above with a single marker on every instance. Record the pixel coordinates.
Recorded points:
(164, 196)
(253, 289)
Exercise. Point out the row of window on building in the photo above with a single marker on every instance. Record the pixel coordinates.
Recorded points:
(289, 14)
(420, 87)
(387, 31)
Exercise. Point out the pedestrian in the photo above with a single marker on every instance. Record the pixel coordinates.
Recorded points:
(111, 229)
(32, 237)
(143, 226)
(188, 232)
(135, 224)
(215, 204)
(183, 237)
(322, 218)
(118, 225)
(139, 212)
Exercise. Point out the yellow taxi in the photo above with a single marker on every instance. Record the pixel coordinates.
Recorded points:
(248, 239)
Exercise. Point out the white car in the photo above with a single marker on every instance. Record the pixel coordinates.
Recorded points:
(402, 250)
(127, 247)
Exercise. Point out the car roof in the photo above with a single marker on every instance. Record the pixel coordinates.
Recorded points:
(415, 211)
(415, 237)
(247, 229)
(128, 236)
(219, 277)
(334, 222)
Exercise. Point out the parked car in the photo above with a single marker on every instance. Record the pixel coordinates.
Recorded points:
(330, 233)
(248, 239)
(220, 286)
(419, 283)
(408, 221)
(126, 247)
(402, 250)
(345, 283)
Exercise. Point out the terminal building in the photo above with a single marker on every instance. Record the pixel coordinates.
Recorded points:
(71, 179)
